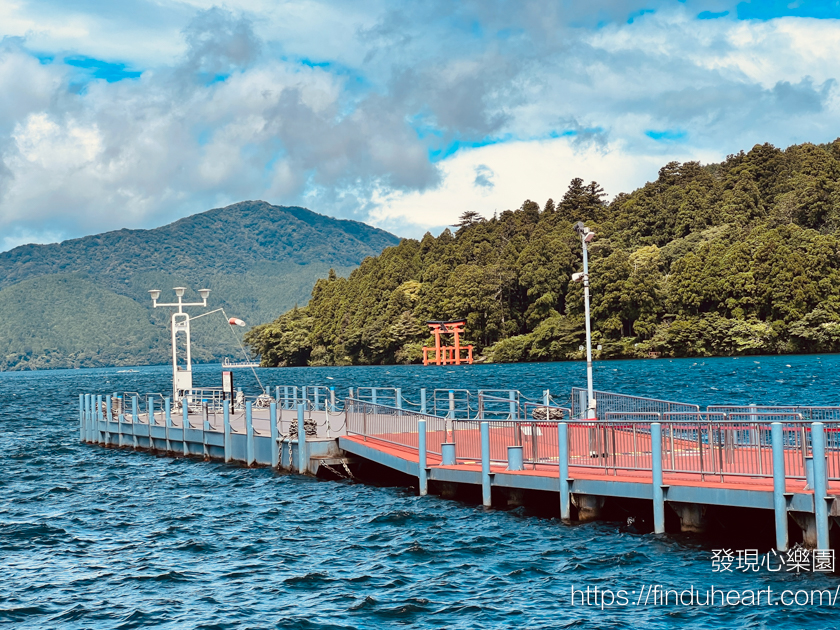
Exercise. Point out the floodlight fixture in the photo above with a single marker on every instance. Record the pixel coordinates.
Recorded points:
(578, 277)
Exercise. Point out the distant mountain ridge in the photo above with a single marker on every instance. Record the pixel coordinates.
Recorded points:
(258, 259)
(242, 234)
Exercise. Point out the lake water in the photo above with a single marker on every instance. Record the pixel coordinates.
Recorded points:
(102, 538)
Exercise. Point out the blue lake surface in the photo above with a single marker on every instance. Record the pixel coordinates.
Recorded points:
(105, 538)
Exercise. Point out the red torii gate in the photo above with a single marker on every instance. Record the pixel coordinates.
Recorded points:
(448, 355)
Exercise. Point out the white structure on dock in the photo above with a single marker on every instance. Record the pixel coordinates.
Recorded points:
(181, 374)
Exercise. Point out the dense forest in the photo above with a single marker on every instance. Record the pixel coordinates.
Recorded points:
(740, 257)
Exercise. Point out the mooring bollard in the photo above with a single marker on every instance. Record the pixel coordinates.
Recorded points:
(447, 454)
(423, 401)
(779, 499)
(563, 458)
(185, 419)
(486, 496)
(249, 434)
(301, 440)
(515, 458)
(656, 466)
(275, 447)
(422, 474)
(81, 417)
(226, 421)
(820, 484)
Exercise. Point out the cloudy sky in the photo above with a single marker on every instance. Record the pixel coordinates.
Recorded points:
(400, 114)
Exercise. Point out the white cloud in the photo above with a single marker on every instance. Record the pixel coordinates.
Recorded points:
(344, 107)
(536, 170)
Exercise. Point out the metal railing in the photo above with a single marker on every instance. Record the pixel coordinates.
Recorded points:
(452, 403)
(393, 425)
(611, 402)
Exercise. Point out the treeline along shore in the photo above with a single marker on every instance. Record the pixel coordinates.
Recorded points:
(740, 257)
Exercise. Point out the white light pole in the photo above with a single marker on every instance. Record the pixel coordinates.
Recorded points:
(586, 236)
(181, 375)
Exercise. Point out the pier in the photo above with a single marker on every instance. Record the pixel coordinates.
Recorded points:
(673, 458)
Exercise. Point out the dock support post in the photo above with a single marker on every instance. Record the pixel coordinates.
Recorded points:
(332, 401)
(820, 484)
(423, 401)
(275, 449)
(317, 398)
(205, 428)
(546, 398)
(108, 418)
(97, 417)
(134, 419)
(584, 406)
(226, 421)
(301, 436)
(563, 454)
(398, 396)
(88, 406)
(277, 393)
(779, 499)
(120, 420)
(167, 419)
(373, 395)
(422, 475)
(486, 496)
(81, 417)
(658, 492)
(512, 397)
(249, 433)
(185, 415)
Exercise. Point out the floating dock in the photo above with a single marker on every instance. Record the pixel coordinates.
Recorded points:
(667, 455)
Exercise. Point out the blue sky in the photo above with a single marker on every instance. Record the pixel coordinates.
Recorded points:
(403, 115)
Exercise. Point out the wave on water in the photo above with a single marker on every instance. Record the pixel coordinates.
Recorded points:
(109, 538)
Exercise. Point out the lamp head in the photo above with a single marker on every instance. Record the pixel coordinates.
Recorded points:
(580, 228)
(204, 293)
(578, 277)
(155, 293)
(179, 291)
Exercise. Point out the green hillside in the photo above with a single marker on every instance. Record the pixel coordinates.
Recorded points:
(85, 302)
(742, 256)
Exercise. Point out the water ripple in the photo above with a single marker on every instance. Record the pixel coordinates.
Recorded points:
(110, 538)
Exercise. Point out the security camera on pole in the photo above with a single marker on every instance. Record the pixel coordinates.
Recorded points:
(586, 236)
(181, 375)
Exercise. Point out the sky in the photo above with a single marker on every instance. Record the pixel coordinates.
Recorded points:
(403, 115)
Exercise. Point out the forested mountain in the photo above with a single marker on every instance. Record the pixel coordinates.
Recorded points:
(737, 257)
(84, 302)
